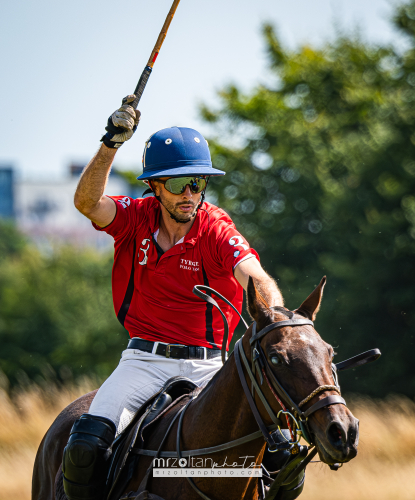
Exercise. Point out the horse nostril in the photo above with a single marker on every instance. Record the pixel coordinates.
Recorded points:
(336, 435)
(353, 436)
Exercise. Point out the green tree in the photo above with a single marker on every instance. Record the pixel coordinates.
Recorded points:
(12, 242)
(57, 321)
(324, 184)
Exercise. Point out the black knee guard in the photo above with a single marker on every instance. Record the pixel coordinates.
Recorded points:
(276, 461)
(85, 458)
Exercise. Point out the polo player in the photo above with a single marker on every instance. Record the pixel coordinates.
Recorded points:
(164, 246)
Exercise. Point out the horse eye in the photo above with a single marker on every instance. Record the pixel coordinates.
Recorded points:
(275, 360)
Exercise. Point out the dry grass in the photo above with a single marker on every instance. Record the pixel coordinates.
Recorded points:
(383, 470)
(23, 423)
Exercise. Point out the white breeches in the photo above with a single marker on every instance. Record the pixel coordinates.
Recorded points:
(138, 376)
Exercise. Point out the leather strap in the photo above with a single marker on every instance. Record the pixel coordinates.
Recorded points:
(179, 454)
(259, 421)
(359, 360)
(205, 451)
(279, 324)
(211, 300)
(329, 400)
(143, 484)
(301, 466)
(280, 389)
(261, 396)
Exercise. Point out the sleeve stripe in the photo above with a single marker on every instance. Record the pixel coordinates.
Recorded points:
(244, 258)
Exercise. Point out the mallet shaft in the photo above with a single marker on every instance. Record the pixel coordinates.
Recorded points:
(141, 85)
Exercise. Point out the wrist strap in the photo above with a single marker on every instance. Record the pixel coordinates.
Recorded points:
(106, 139)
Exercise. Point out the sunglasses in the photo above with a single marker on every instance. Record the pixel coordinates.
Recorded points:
(177, 185)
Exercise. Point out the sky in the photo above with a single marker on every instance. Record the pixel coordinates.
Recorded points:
(65, 66)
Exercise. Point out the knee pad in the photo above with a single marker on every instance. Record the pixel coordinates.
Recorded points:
(85, 458)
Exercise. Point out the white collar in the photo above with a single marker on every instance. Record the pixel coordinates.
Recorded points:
(157, 233)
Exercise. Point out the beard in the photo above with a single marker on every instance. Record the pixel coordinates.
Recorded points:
(175, 212)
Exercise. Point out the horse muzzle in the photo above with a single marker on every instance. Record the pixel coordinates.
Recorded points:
(338, 443)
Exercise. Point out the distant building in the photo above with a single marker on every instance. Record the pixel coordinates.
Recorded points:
(6, 192)
(45, 211)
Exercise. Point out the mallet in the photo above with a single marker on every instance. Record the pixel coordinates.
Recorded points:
(141, 85)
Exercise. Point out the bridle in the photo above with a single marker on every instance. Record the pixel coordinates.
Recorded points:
(260, 365)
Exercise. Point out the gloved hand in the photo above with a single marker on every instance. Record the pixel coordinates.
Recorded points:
(122, 124)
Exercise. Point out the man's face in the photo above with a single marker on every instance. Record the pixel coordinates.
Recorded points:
(183, 206)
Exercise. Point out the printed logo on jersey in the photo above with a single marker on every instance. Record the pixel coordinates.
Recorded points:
(125, 202)
(145, 242)
(189, 265)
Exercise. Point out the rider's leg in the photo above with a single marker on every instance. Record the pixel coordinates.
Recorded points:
(293, 490)
(200, 371)
(138, 376)
(273, 462)
(85, 457)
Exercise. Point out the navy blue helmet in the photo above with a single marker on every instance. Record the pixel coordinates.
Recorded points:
(177, 152)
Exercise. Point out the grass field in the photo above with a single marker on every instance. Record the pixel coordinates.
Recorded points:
(383, 470)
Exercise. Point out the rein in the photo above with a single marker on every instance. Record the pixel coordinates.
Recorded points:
(208, 298)
(203, 451)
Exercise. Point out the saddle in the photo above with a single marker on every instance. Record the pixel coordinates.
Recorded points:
(123, 463)
(177, 392)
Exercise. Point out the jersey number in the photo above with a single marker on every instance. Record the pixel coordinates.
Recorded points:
(144, 250)
(237, 241)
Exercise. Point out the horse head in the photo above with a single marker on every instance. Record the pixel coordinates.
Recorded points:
(300, 362)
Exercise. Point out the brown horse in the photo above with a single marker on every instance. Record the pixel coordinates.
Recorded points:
(221, 412)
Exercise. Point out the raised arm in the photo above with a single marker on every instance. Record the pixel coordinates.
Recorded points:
(89, 195)
(264, 284)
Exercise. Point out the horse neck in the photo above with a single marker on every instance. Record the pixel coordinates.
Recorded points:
(220, 414)
(222, 409)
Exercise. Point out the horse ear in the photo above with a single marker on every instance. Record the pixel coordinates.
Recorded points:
(257, 306)
(310, 307)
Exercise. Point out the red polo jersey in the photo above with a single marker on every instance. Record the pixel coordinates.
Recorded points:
(153, 296)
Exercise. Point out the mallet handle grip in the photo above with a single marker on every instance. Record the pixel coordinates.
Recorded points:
(141, 85)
